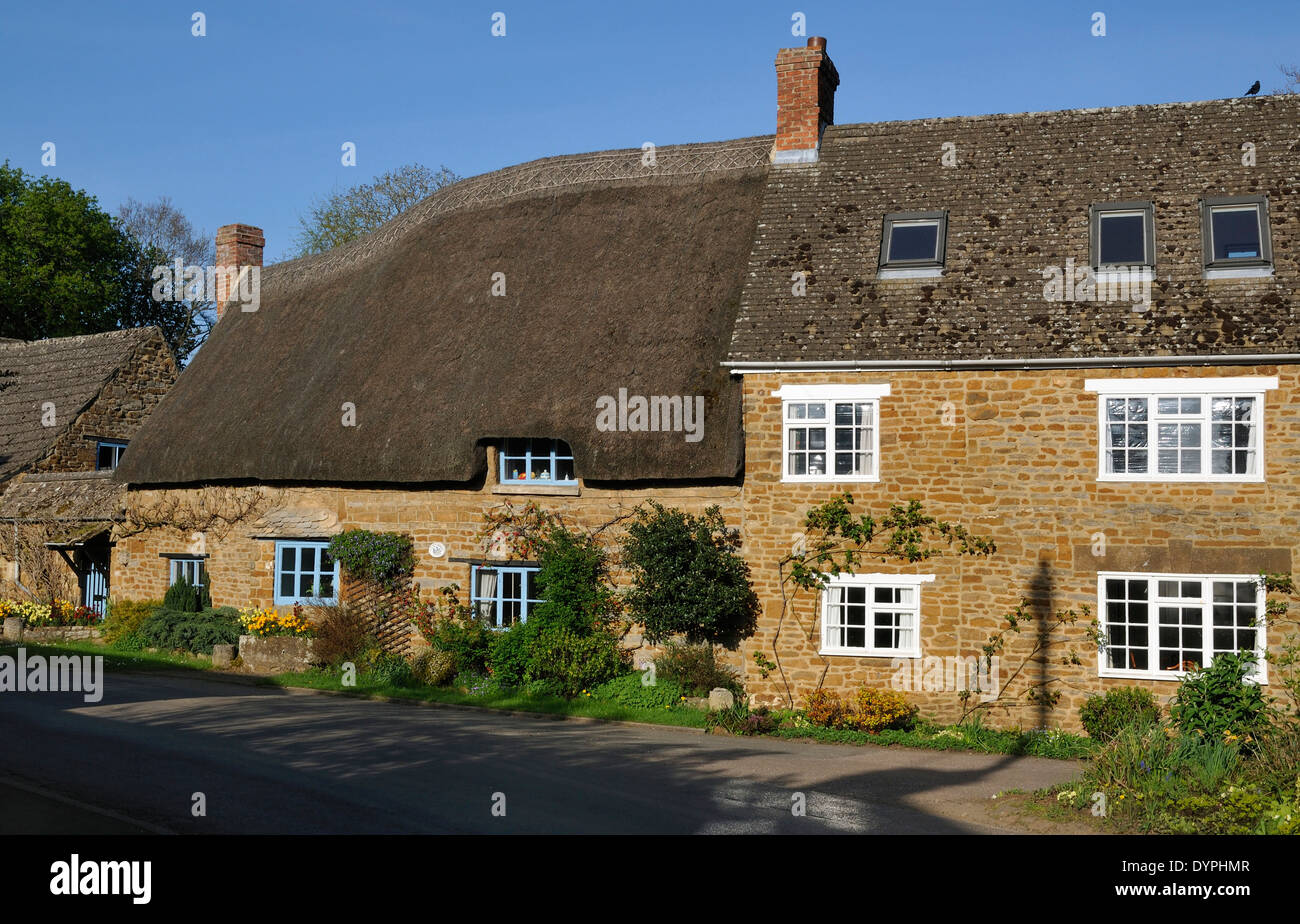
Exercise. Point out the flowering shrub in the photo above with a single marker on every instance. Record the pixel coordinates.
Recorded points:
(269, 623)
(37, 615)
(382, 558)
(870, 710)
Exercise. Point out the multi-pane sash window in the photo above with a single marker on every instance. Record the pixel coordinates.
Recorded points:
(872, 614)
(1163, 625)
(189, 568)
(829, 433)
(537, 461)
(503, 596)
(304, 571)
(1162, 430)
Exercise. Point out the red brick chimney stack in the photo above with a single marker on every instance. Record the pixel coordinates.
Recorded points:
(238, 246)
(805, 101)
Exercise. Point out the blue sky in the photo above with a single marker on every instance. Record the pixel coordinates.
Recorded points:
(245, 124)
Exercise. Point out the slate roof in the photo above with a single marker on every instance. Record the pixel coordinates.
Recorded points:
(1017, 202)
(67, 371)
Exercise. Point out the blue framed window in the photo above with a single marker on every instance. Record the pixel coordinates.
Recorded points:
(536, 461)
(108, 453)
(305, 571)
(189, 568)
(503, 596)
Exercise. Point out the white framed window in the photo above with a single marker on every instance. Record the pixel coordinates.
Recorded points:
(189, 568)
(1181, 429)
(830, 432)
(1162, 626)
(873, 615)
(305, 571)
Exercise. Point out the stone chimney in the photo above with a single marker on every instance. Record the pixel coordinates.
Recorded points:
(805, 101)
(238, 247)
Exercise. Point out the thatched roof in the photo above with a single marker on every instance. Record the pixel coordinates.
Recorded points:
(617, 275)
(69, 372)
(64, 497)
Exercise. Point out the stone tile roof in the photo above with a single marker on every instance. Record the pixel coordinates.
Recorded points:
(1018, 202)
(68, 372)
(79, 497)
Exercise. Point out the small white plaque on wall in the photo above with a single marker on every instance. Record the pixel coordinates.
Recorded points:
(437, 549)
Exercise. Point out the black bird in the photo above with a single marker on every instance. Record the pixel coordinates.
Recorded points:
(1254, 88)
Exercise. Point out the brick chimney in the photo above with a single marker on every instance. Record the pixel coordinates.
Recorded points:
(238, 246)
(805, 101)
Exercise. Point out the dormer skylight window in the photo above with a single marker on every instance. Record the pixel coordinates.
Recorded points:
(1235, 233)
(1123, 235)
(913, 244)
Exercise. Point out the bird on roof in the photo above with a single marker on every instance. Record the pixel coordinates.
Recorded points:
(1254, 88)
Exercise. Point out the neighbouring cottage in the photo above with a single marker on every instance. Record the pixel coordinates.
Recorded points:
(1072, 332)
(73, 407)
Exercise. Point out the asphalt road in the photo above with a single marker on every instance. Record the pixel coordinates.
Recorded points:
(291, 762)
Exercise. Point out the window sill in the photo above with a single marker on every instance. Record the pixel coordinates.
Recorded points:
(1170, 676)
(1195, 479)
(859, 653)
(910, 272)
(571, 490)
(825, 479)
(1238, 272)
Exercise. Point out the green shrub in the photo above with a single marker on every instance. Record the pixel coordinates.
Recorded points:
(695, 668)
(124, 617)
(631, 690)
(575, 662)
(433, 668)
(1218, 702)
(574, 584)
(1104, 715)
(388, 670)
(194, 632)
(542, 688)
(468, 641)
(512, 653)
(688, 577)
(184, 597)
(739, 719)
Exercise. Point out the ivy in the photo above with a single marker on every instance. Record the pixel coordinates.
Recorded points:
(386, 559)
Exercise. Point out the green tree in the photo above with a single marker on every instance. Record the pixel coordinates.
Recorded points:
(67, 267)
(688, 577)
(345, 216)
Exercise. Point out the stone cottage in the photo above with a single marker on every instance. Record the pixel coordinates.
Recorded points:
(1070, 332)
(73, 407)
